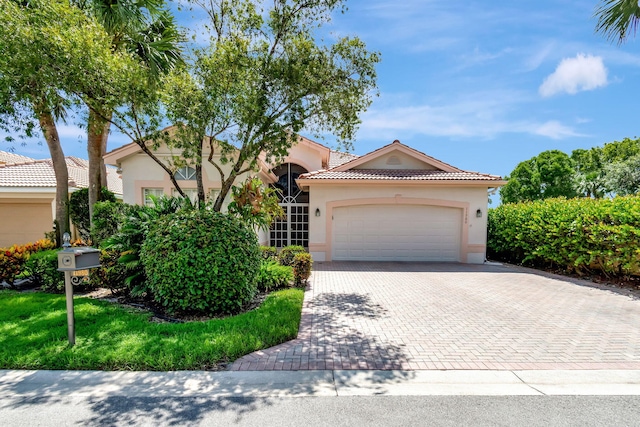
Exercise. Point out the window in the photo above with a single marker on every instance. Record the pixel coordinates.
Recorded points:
(191, 193)
(213, 194)
(186, 173)
(155, 192)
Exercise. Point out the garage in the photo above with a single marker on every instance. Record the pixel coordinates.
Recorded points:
(396, 233)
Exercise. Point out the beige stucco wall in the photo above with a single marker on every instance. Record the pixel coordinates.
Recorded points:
(468, 199)
(139, 171)
(24, 218)
(307, 155)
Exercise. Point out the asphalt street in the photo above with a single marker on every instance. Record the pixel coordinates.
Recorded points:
(526, 411)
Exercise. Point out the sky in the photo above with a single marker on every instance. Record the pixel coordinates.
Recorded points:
(479, 84)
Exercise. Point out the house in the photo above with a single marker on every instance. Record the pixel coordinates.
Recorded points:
(395, 203)
(28, 192)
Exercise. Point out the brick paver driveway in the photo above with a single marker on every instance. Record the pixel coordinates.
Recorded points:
(454, 316)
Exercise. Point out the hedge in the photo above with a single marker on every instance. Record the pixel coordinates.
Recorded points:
(579, 235)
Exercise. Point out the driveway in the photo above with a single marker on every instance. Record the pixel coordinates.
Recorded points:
(415, 316)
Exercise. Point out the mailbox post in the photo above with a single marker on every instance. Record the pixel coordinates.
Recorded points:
(74, 259)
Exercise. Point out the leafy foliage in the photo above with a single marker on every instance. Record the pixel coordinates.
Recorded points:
(273, 276)
(288, 253)
(297, 82)
(580, 235)
(121, 229)
(108, 217)
(79, 209)
(13, 259)
(111, 274)
(43, 269)
(549, 174)
(201, 261)
(617, 19)
(255, 204)
(269, 253)
(302, 267)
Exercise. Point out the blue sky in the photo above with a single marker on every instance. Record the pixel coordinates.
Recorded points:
(482, 85)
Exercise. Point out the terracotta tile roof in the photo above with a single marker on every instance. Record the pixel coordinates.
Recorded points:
(400, 175)
(337, 158)
(40, 173)
(10, 158)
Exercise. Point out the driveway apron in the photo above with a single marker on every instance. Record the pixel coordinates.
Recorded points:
(415, 316)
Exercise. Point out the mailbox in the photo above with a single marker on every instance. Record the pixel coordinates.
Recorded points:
(74, 259)
(79, 258)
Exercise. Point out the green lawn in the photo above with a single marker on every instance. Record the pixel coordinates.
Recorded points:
(33, 334)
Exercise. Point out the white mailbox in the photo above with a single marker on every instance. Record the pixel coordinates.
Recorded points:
(79, 258)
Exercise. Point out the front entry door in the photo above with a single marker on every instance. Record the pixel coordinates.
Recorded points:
(293, 228)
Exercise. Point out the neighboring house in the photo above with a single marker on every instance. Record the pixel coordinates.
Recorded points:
(393, 204)
(28, 192)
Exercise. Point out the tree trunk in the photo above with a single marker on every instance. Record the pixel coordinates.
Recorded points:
(97, 134)
(48, 126)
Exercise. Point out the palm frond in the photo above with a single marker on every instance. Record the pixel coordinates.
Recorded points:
(618, 19)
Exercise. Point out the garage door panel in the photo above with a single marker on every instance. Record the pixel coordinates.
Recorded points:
(397, 232)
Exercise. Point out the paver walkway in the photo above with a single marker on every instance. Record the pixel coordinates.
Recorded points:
(416, 316)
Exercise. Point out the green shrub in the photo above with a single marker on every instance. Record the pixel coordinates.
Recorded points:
(580, 235)
(107, 219)
(201, 261)
(111, 274)
(269, 253)
(302, 267)
(13, 259)
(43, 269)
(79, 209)
(288, 253)
(273, 276)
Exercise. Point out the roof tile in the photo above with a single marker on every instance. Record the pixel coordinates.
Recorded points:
(400, 175)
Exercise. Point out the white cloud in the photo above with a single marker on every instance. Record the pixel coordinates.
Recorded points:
(573, 75)
(483, 115)
(555, 130)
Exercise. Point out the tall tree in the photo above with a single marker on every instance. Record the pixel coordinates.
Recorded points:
(47, 48)
(549, 174)
(146, 30)
(264, 77)
(618, 19)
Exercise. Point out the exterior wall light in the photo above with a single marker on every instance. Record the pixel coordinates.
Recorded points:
(317, 211)
(478, 213)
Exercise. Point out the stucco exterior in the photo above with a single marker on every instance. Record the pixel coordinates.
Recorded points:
(395, 175)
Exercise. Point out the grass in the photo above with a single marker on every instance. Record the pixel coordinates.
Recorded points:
(33, 334)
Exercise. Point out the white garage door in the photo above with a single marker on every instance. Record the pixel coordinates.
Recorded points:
(396, 233)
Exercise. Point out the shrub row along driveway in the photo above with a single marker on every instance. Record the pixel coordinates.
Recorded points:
(453, 316)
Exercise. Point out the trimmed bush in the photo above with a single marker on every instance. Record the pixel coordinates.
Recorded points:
(201, 262)
(273, 276)
(43, 269)
(269, 253)
(580, 235)
(288, 253)
(302, 267)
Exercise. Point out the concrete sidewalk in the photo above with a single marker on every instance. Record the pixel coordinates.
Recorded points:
(317, 383)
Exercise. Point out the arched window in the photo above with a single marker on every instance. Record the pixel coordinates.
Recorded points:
(288, 190)
(186, 173)
(293, 229)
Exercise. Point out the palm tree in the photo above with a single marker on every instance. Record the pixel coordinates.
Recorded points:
(618, 19)
(145, 29)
